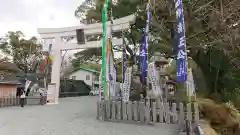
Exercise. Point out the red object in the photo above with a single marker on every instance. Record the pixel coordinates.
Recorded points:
(44, 64)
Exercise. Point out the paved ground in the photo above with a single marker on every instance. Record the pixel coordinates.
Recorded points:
(73, 116)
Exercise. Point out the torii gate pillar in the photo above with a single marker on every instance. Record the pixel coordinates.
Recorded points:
(58, 34)
(56, 69)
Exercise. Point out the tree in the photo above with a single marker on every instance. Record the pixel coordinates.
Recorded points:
(24, 53)
(213, 45)
(87, 55)
(90, 12)
(4, 59)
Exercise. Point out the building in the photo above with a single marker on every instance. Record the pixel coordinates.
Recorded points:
(8, 80)
(8, 88)
(89, 76)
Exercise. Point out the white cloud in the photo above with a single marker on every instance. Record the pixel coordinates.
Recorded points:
(28, 15)
(55, 18)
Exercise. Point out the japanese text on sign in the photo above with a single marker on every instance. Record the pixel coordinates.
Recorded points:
(181, 69)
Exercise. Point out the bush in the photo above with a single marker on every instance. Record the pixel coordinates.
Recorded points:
(232, 96)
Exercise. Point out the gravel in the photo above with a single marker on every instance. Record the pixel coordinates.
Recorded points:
(72, 116)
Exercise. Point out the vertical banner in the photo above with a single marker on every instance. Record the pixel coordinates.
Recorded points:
(181, 57)
(104, 18)
(154, 79)
(45, 63)
(111, 75)
(111, 60)
(102, 75)
(127, 84)
(48, 65)
(143, 48)
(107, 75)
(109, 70)
(100, 86)
(124, 65)
(124, 59)
(27, 84)
(143, 59)
(190, 85)
(114, 81)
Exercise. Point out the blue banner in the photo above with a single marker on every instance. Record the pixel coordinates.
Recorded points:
(143, 59)
(143, 49)
(181, 57)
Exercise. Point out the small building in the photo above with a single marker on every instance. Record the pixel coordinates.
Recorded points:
(8, 80)
(89, 76)
(8, 88)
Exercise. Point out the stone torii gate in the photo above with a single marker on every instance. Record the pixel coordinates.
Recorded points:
(58, 37)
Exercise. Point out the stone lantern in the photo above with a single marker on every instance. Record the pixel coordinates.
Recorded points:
(161, 64)
(135, 84)
(170, 91)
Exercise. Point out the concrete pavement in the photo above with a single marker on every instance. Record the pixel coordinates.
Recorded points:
(72, 116)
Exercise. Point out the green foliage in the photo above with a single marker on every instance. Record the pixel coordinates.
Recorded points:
(9, 67)
(82, 57)
(24, 53)
(212, 36)
(171, 69)
(90, 10)
(232, 96)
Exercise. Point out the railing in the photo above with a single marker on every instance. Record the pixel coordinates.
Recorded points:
(15, 101)
(148, 112)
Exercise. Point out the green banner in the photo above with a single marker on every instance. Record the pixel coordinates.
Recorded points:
(104, 19)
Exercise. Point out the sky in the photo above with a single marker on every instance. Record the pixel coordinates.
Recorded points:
(28, 15)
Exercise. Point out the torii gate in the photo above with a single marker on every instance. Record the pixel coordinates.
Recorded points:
(57, 36)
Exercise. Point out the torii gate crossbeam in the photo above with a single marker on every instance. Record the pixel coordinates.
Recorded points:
(59, 45)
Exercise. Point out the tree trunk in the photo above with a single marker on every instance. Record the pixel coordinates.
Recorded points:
(216, 82)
